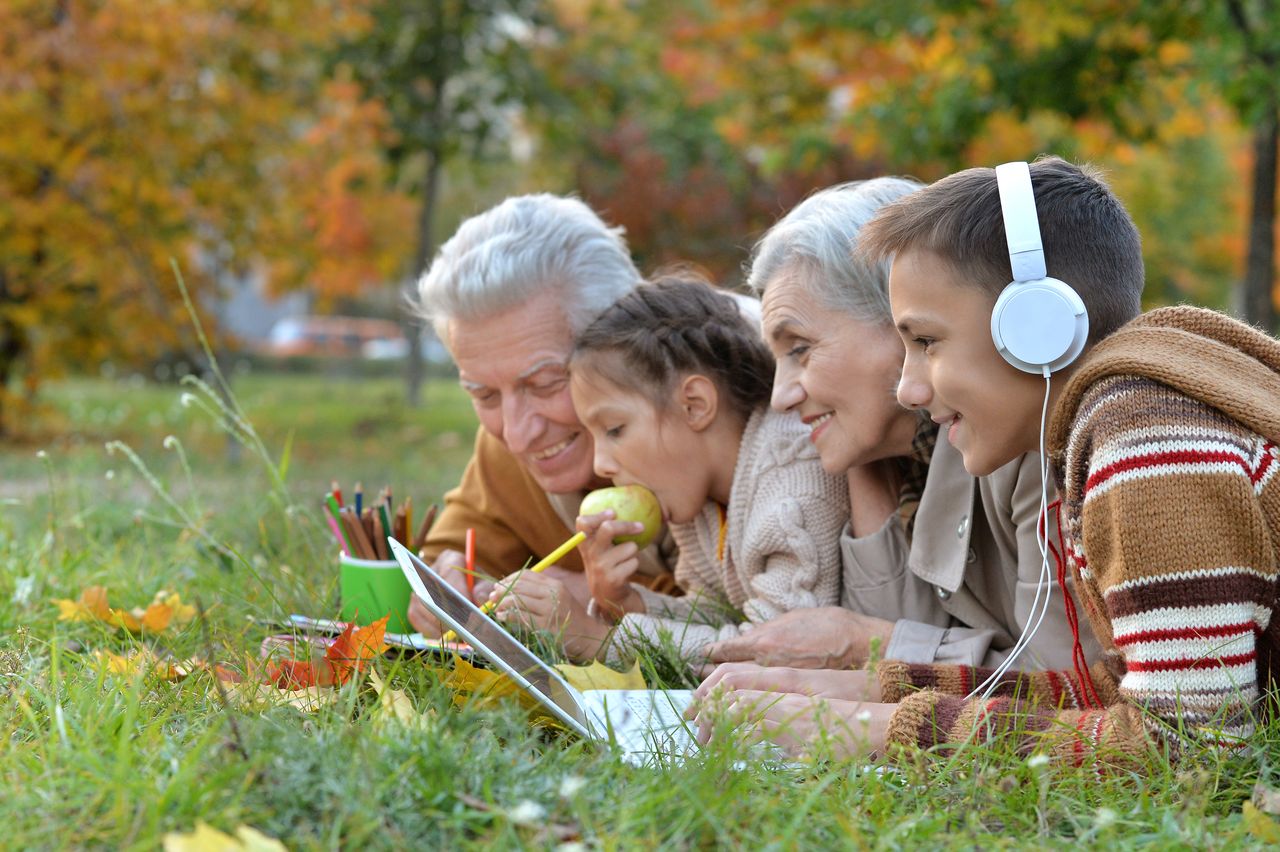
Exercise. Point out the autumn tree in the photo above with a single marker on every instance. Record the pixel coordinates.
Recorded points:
(451, 75)
(931, 87)
(135, 133)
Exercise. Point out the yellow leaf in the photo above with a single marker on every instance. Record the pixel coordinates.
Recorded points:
(250, 693)
(599, 676)
(467, 680)
(205, 838)
(1259, 824)
(145, 660)
(396, 704)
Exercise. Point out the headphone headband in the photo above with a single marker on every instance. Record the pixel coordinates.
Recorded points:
(1021, 227)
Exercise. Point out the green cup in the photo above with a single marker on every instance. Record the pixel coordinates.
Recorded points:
(374, 588)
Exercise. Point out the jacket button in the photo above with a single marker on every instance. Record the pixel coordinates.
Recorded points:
(963, 527)
(943, 594)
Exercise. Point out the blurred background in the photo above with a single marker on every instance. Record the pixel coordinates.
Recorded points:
(296, 162)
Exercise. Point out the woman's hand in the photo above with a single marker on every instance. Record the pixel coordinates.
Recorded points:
(609, 566)
(798, 724)
(543, 603)
(828, 637)
(846, 685)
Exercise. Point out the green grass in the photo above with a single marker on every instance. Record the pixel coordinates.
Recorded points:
(95, 759)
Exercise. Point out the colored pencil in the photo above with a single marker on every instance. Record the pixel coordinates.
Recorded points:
(359, 498)
(421, 538)
(471, 562)
(336, 512)
(337, 492)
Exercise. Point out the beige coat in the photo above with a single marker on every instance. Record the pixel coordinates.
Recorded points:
(963, 590)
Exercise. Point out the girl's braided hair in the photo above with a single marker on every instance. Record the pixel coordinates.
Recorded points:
(675, 325)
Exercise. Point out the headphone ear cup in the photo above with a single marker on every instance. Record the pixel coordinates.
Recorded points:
(1039, 324)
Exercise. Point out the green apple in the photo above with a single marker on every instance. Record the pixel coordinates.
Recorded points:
(629, 503)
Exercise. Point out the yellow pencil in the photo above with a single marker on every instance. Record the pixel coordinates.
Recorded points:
(547, 561)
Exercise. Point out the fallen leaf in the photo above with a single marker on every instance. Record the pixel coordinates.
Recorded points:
(1259, 824)
(205, 838)
(466, 681)
(1266, 799)
(354, 648)
(396, 704)
(252, 693)
(145, 660)
(599, 676)
(165, 609)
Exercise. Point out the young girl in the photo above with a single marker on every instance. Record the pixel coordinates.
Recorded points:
(673, 383)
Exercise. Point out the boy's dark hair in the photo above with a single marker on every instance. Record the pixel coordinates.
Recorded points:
(1089, 240)
(675, 325)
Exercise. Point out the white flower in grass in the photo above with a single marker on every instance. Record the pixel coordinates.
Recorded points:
(41, 454)
(570, 785)
(170, 442)
(111, 474)
(1036, 761)
(1105, 818)
(187, 400)
(527, 813)
(572, 846)
(864, 716)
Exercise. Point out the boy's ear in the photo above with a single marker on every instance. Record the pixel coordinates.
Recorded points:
(699, 400)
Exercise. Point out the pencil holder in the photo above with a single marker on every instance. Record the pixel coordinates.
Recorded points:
(374, 588)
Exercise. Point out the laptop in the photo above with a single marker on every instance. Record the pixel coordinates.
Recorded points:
(647, 726)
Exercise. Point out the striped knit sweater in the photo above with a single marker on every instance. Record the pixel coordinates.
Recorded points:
(1164, 443)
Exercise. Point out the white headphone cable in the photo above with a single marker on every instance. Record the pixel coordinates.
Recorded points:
(1045, 585)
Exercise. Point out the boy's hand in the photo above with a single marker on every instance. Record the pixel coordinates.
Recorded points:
(609, 566)
(544, 603)
(798, 724)
(847, 685)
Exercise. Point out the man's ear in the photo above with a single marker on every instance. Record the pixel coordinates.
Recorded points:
(699, 400)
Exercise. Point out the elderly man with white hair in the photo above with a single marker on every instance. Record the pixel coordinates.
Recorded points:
(507, 294)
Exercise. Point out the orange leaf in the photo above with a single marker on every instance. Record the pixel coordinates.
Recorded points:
(354, 648)
(292, 674)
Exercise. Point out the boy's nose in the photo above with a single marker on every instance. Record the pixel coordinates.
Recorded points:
(912, 392)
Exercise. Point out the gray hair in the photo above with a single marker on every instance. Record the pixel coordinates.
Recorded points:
(814, 245)
(528, 244)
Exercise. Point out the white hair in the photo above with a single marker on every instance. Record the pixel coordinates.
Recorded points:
(527, 245)
(815, 245)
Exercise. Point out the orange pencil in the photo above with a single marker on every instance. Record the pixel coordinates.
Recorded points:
(471, 562)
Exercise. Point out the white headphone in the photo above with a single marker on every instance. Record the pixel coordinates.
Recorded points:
(1039, 324)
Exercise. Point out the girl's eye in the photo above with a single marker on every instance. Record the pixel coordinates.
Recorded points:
(613, 432)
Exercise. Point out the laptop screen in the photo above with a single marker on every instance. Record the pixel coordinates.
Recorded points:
(490, 636)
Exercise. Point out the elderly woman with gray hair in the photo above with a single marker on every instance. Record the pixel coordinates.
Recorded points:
(938, 565)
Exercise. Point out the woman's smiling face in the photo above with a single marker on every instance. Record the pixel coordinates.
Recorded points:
(838, 375)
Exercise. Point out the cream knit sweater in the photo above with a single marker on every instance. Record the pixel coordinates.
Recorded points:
(781, 547)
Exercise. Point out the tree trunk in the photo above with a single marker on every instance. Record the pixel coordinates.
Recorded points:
(1259, 278)
(425, 248)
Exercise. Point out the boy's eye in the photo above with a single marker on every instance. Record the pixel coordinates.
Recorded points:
(923, 342)
(613, 432)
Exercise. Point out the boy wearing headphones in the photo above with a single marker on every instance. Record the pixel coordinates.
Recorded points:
(1161, 430)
